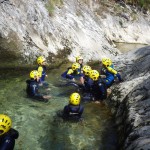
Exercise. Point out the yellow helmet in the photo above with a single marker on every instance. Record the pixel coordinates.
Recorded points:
(75, 99)
(75, 66)
(34, 73)
(78, 58)
(5, 124)
(40, 60)
(94, 75)
(106, 62)
(86, 70)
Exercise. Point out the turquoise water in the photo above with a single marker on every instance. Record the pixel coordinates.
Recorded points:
(38, 124)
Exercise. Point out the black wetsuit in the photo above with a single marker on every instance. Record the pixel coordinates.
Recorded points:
(75, 74)
(32, 90)
(88, 82)
(72, 112)
(99, 90)
(7, 141)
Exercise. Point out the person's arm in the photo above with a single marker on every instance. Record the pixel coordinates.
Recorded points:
(69, 76)
(66, 110)
(14, 133)
(82, 80)
(103, 91)
(81, 111)
(111, 70)
(119, 77)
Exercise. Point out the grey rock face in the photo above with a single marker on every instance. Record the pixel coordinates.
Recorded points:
(133, 98)
(76, 25)
(38, 33)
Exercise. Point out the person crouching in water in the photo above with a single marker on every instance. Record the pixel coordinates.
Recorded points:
(41, 61)
(7, 134)
(33, 87)
(73, 111)
(73, 72)
(99, 89)
(109, 71)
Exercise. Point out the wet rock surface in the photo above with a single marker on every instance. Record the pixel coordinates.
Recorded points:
(131, 100)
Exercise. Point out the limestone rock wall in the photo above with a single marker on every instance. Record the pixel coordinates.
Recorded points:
(82, 27)
(131, 100)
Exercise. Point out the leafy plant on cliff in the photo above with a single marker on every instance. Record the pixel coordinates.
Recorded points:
(50, 5)
(145, 4)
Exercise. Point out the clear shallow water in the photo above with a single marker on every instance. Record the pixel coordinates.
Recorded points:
(38, 124)
(125, 47)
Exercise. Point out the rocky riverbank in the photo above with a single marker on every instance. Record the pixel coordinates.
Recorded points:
(130, 101)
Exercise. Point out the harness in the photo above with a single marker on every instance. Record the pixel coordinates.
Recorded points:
(74, 111)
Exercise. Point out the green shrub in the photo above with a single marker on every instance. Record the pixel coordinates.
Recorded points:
(50, 5)
(145, 4)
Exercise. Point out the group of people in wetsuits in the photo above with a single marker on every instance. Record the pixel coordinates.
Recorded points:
(95, 86)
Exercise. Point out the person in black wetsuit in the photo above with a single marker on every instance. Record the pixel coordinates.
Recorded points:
(73, 72)
(99, 88)
(7, 134)
(73, 111)
(86, 87)
(33, 87)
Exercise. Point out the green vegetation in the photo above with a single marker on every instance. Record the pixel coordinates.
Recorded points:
(50, 5)
(145, 4)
